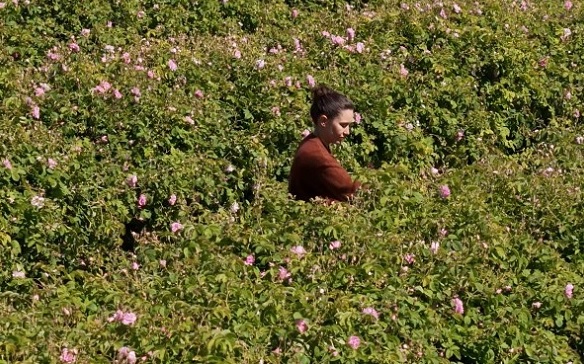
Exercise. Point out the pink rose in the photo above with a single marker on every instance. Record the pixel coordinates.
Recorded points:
(132, 180)
(354, 342)
(409, 258)
(371, 311)
(334, 245)
(458, 306)
(350, 34)
(74, 47)
(301, 326)
(283, 273)
(176, 226)
(298, 250)
(568, 290)
(35, 112)
(172, 200)
(434, 247)
(142, 200)
(6, 163)
(444, 191)
(129, 318)
(68, 356)
(249, 260)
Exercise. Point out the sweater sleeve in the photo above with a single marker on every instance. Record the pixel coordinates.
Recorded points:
(337, 182)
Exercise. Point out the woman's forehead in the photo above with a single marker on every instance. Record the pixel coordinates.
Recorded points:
(346, 116)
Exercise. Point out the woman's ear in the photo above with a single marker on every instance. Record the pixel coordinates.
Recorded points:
(322, 120)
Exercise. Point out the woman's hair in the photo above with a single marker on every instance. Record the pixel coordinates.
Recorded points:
(328, 102)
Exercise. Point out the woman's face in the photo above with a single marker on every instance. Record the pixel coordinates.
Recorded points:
(337, 129)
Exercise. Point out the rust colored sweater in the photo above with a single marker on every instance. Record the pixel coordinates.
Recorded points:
(316, 173)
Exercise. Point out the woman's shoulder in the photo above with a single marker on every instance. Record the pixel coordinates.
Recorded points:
(312, 143)
(312, 147)
(312, 154)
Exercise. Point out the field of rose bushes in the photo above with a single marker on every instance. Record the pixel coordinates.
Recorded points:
(179, 119)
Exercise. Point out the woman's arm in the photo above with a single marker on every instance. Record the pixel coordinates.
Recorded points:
(337, 182)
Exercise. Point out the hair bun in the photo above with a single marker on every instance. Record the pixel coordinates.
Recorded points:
(328, 102)
(321, 91)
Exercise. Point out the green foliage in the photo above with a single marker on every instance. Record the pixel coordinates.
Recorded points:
(490, 98)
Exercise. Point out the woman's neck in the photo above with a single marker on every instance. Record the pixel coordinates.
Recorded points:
(318, 134)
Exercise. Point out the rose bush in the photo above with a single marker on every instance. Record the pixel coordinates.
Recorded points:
(182, 117)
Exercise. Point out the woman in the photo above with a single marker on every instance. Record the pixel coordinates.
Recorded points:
(315, 172)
